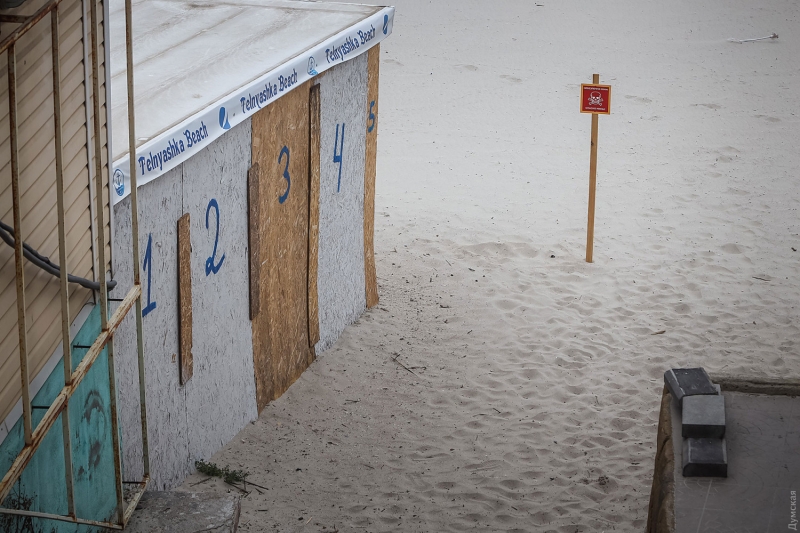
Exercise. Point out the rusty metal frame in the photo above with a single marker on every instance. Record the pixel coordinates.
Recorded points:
(109, 325)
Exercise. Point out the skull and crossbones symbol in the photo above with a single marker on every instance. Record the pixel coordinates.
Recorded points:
(595, 98)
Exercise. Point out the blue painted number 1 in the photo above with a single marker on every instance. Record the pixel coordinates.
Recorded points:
(210, 266)
(337, 158)
(148, 267)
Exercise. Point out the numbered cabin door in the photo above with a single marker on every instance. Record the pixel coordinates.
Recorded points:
(279, 243)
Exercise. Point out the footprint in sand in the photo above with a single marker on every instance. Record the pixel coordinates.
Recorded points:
(731, 248)
(639, 99)
(512, 79)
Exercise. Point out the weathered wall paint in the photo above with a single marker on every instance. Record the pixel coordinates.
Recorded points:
(92, 455)
(190, 422)
(341, 219)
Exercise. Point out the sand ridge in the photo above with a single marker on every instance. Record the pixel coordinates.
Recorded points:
(503, 384)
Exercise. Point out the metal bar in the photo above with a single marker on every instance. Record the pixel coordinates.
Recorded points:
(62, 518)
(115, 440)
(101, 252)
(88, 110)
(14, 19)
(98, 164)
(26, 26)
(18, 252)
(62, 256)
(135, 499)
(135, 229)
(24, 456)
(109, 140)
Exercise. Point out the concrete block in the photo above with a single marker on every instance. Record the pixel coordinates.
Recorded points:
(705, 458)
(688, 382)
(185, 512)
(703, 417)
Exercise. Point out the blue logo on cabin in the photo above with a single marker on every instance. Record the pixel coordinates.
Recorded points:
(119, 182)
(223, 119)
(312, 66)
(385, 24)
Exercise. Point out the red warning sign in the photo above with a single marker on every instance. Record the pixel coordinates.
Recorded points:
(595, 99)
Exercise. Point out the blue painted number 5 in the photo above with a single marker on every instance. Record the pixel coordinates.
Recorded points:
(371, 117)
(282, 198)
(210, 266)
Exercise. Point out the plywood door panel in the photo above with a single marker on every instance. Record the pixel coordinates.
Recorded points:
(343, 115)
(280, 331)
(370, 274)
(313, 218)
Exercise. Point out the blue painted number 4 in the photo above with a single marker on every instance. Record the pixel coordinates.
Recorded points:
(337, 158)
(147, 264)
(210, 266)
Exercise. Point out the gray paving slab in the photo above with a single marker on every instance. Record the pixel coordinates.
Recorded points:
(703, 417)
(683, 382)
(185, 512)
(763, 445)
(705, 458)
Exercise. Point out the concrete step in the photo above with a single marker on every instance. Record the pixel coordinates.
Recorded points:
(185, 512)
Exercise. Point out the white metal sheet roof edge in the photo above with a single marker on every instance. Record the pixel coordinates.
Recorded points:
(180, 142)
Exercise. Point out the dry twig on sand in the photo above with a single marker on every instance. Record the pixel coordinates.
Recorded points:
(741, 41)
(401, 364)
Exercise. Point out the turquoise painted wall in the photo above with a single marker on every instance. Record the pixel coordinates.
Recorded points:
(93, 460)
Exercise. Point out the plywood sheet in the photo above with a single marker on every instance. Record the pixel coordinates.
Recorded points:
(185, 299)
(343, 114)
(253, 240)
(313, 218)
(280, 332)
(370, 171)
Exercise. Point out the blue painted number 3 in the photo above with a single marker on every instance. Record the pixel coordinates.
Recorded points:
(210, 266)
(282, 198)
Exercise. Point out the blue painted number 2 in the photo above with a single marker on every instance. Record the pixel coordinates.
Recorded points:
(337, 158)
(282, 198)
(371, 117)
(148, 267)
(210, 266)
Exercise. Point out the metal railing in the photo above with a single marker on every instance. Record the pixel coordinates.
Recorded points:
(60, 406)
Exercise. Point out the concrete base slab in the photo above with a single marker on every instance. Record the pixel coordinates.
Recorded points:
(185, 512)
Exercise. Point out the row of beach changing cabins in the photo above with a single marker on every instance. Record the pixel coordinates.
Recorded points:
(256, 210)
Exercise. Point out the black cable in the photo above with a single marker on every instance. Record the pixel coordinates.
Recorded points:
(7, 234)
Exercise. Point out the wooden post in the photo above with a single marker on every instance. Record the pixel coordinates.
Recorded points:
(592, 182)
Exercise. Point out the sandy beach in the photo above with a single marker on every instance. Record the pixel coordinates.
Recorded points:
(502, 383)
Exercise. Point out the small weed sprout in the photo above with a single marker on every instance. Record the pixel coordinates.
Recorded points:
(227, 475)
